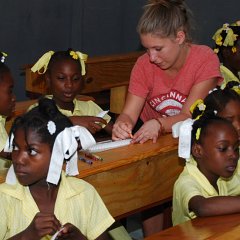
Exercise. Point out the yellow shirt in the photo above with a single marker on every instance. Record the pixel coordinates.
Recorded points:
(191, 182)
(77, 203)
(4, 163)
(228, 76)
(81, 108)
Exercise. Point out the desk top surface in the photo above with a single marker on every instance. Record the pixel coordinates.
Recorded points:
(128, 154)
(217, 227)
(122, 156)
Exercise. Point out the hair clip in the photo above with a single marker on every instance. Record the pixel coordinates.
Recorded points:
(51, 126)
(3, 57)
(198, 132)
(73, 54)
(236, 89)
(199, 104)
(214, 89)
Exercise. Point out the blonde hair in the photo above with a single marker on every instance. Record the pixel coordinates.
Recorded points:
(165, 18)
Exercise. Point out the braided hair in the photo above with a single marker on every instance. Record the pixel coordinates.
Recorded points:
(61, 56)
(38, 118)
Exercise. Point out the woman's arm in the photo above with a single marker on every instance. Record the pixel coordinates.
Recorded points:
(128, 118)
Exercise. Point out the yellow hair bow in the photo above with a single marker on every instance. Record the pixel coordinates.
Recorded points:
(230, 38)
(83, 58)
(236, 89)
(198, 103)
(198, 132)
(42, 63)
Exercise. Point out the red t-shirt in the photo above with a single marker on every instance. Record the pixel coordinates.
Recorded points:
(165, 96)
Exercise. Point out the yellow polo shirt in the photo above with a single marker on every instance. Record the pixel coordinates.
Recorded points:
(77, 203)
(81, 108)
(228, 76)
(191, 182)
(4, 163)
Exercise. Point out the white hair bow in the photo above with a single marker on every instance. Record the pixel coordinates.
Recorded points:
(65, 147)
(183, 130)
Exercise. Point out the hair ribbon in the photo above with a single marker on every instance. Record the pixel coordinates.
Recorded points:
(42, 63)
(183, 130)
(82, 58)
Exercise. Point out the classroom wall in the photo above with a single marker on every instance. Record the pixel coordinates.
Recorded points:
(29, 28)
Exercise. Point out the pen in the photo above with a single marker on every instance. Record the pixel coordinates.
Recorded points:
(130, 134)
(90, 162)
(93, 156)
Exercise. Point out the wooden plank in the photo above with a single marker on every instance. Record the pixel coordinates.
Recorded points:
(217, 227)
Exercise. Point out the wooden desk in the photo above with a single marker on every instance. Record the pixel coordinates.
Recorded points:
(219, 227)
(135, 177)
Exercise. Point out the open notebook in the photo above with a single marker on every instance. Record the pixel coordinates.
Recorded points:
(106, 145)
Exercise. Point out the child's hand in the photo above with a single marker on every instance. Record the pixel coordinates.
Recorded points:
(71, 232)
(93, 124)
(42, 224)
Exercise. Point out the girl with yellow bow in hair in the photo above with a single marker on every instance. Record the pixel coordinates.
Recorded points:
(227, 47)
(64, 71)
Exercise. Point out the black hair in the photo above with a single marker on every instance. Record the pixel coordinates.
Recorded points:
(60, 56)
(3, 67)
(38, 118)
(204, 122)
(236, 30)
(218, 99)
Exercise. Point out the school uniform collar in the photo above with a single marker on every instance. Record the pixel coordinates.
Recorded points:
(193, 170)
(63, 110)
(2, 119)
(30, 208)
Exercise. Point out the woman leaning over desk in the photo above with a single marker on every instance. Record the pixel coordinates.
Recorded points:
(169, 77)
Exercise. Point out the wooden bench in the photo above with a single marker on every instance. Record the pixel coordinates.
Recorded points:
(110, 72)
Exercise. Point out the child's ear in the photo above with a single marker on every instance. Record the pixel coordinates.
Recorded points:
(197, 150)
(47, 79)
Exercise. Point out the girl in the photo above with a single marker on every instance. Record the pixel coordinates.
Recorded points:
(201, 189)
(227, 40)
(64, 73)
(169, 77)
(226, 102)
(38, 200)
(7, 105)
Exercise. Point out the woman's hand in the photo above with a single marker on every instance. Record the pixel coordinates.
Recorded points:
(42, 224)
(93, 124)
(149, 130)
(121, 130)
(71, 232)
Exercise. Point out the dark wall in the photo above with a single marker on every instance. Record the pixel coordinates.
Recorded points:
(29, 28)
